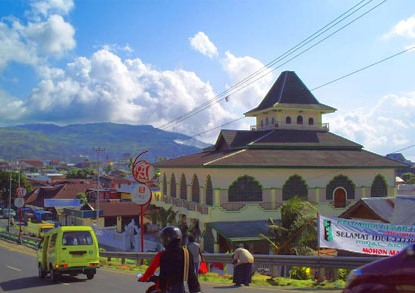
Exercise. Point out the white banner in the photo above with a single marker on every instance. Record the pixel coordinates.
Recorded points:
(364, 237)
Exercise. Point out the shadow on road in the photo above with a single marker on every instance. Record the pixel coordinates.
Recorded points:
(227, 287)
(32, 282)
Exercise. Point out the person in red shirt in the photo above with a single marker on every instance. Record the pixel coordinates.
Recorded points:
(152, 267)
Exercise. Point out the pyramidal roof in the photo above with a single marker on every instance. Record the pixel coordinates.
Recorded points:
(289, 90)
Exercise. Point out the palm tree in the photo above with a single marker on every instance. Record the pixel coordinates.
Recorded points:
(297, 233)
(161, 215)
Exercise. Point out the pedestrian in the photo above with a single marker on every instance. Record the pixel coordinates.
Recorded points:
(184, 229)
(243, 261)
(194, 249)
(173, 264)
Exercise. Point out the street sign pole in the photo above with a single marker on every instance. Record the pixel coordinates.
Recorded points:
(143, 173)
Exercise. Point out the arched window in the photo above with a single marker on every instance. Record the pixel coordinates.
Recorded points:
(300, 120)
(340, 198)
(173, 192)
(337, 182)
(183, 187)
(246, 188)
(379, 187)
(295, 185)
(164, 184)
(310, 121)
(195, 189)
(209, 191)
(288, 120)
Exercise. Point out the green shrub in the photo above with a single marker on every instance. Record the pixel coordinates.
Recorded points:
(343, 273)
(300, 273)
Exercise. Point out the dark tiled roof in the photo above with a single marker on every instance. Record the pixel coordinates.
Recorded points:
(289, 89)
(283, 149)
(380, 207)
(34, 163)
(282, 138)
(242, 231)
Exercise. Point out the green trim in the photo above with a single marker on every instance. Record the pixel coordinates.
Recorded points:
(280, 167)
(300, 147)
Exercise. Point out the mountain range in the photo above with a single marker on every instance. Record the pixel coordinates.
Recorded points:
(77, 142)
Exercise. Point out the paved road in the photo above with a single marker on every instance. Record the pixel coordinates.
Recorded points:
(18, 273)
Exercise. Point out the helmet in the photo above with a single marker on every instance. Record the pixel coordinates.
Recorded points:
(170, 233)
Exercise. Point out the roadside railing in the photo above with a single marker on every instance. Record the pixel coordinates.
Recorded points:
(262, 259)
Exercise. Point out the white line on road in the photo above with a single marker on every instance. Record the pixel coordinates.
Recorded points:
(13, 268)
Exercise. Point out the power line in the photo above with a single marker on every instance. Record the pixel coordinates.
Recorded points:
(243, 83)
(327, 83)
(363, 68)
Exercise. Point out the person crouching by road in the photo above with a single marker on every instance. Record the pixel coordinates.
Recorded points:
(172, 264)
(243, 261)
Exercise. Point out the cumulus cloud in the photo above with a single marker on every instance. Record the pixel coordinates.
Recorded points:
(107, 88)
(53, 36)
(44, 8)
(404, 28)
(247, 94)
(42, 37)
(386, 128)
(13, 47)
(201, 43)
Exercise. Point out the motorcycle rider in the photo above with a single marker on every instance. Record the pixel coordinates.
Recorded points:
(172, 264)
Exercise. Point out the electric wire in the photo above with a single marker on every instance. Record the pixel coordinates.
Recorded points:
(234, 88)
(328, 83)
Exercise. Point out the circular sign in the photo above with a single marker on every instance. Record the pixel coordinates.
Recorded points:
(19, 202)
(141, 195)
(20, 191)
(143, 171)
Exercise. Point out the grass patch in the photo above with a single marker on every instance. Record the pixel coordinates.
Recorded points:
(211, 277)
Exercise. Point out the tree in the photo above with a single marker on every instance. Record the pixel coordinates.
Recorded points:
(82, 196)
(5, 185)
(408, 177)
(85, 173)
(297, 233)
(161, 215)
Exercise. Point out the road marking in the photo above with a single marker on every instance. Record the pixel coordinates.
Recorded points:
(66, 284)
(13, 268)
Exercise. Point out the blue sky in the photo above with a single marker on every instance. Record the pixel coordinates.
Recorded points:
(149, 62)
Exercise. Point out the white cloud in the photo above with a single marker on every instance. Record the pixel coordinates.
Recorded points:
(54, 36)
(404, 28)
(201, 43)
(247, 94)
(107, 88)
(11, 108)
(386, 128)
(13, 48)
(42, 37)
(45, 8)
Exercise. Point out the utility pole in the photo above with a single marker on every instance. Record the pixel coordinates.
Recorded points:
(10, 202)
(98, 150)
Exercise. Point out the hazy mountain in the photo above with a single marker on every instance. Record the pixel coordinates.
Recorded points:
(73, 142)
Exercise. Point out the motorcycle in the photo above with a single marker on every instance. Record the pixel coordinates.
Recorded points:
(154, 279)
